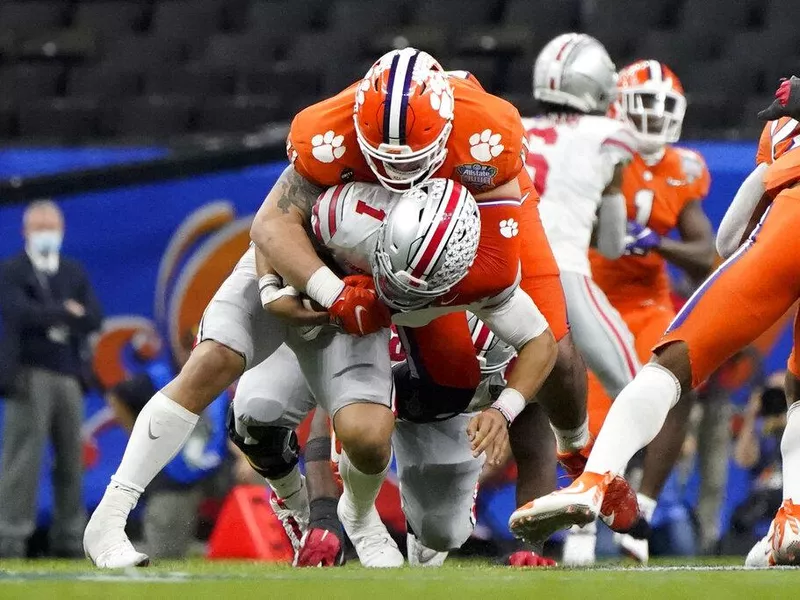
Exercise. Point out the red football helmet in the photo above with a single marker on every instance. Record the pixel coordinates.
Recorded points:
(651, 97)
(403, 117)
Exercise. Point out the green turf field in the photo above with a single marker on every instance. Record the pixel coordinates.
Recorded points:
(198, 580)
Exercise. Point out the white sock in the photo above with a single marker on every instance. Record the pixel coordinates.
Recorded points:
(647, 506)
(360, 488)
(569, 440)
(635, 418)
(160, 431)
(287, 485)
(790, 451)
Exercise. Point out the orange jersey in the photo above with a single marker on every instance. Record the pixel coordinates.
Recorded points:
(485, 149)
(775, 146)
(655, 196)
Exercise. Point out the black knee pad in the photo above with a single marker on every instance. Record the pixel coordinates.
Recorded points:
(275, 452)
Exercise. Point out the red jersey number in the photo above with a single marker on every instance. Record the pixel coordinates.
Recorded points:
(538, 162)
(363, 208)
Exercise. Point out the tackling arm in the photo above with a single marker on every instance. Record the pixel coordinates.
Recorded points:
(279, 232)
(519, 322)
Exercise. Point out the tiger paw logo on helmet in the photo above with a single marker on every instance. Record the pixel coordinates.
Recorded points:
(509, 228)
(485, 146)
(327, 147)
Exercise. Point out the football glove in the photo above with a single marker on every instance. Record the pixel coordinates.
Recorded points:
(359, 311)
(786, 103)
(640, 240)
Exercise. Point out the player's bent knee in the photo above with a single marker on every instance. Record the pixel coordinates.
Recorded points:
(211, 368)
(271, 450)
(440, 533)
(365, 431)
(211, 361)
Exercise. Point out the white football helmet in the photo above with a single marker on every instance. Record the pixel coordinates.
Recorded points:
(575, 70)
(426, 244)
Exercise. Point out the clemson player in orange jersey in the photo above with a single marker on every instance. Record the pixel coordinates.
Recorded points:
(739, 301)
(406, 121)
(663, 187)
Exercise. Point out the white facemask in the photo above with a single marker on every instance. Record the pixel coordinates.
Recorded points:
(45, 242)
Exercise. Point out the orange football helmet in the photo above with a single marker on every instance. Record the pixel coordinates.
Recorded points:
(403, 117)
(651, 97)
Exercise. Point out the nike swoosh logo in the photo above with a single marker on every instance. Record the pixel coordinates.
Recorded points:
(359, 311)
(150, 430)
(446, 302)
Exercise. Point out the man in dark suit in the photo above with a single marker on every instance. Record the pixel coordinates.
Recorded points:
(48, 309)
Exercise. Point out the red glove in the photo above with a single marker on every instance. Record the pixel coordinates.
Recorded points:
(359, 311)
(364, 282)
(528, 558)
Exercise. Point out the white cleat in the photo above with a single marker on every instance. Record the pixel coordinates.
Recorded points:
(105, 542)
(637, 549)
(760, 555)
(579, 546)
(293, 513)
(578, 504)
(420, 555)
(373, 544)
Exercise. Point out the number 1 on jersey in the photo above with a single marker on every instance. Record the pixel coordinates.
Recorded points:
(363, 208)
(643, 200)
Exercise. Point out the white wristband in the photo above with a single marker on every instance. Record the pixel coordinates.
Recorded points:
(510, 403)
(324, 286)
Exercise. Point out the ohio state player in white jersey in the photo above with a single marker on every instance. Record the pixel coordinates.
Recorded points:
(353, 221)
(576, 159)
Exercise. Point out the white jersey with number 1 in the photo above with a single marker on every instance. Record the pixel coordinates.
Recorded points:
(571, 161)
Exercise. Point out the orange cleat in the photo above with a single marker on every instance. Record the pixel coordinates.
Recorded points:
(620, 507)
(579, 504)
(785, 534)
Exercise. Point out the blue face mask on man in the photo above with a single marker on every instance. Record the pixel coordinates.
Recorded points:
(45, 242)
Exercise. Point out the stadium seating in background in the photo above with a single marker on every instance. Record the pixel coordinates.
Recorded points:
(162, 68)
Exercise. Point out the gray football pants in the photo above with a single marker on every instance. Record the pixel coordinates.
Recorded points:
(600, 334)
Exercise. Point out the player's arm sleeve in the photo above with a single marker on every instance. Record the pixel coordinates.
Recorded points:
(497, 263)
(764, 152)
(740, 211)
(516, 321)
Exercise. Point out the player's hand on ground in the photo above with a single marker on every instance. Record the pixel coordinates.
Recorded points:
(488, 432)
(294, 310)
(359, 311)
(786, 103)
